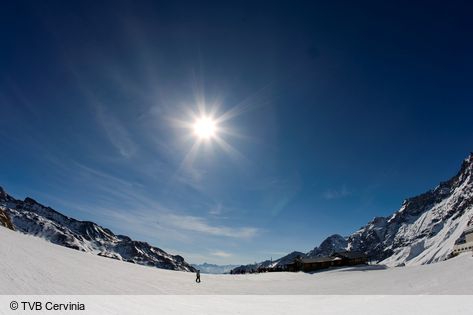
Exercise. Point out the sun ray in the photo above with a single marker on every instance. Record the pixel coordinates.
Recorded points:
(258, 99)
(231, 151)
(206, 125)
(191, 155)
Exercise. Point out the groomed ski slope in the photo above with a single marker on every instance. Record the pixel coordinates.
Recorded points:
(30, 265)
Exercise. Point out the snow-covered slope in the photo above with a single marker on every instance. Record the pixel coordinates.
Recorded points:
(30, 265)
(422, 231)
(30, 217)
(425, 228)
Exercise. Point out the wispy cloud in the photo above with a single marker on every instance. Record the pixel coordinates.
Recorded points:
(201, 225)
(332, 194)
(216, 210)
(278, 192)
(116, 133)
(214, 257)
(221, 253)
(118, 196)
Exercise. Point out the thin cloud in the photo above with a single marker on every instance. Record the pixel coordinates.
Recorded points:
(221, 253)
(216, 210)
(337, 194)
(199, 224)
(118, 136)
(146, 211)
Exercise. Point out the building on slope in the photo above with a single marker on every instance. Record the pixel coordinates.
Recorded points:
(337, 259)
(466, 244)
(424, 230)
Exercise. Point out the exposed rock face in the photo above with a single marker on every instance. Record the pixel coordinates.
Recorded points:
(30, 217)
(4, 217)
(425, 228)
(422, 231)
(331, 244)
(5, 220)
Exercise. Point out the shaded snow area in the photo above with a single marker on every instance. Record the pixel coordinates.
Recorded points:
(30, 265)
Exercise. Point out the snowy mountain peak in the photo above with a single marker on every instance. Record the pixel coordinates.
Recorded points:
(422, 231)
(3, 194)
(331, 244)
(467, 166)
(469, 159)
(31, 217)
(426, 226)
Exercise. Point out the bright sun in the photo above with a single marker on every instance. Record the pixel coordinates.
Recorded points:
(205, 128)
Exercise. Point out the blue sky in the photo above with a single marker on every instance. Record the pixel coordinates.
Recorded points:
(336, 113)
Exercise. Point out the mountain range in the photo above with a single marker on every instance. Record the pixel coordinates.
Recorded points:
(31, 217)
(424, 229)
(214, 269)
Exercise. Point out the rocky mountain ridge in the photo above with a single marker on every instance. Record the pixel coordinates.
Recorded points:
(424, 230)
(31, 217)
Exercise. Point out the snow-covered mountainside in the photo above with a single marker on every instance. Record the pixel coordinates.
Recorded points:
(213, 269)
(425, 228)
(26, 267)
(422, 231)
(30, 217)
(331, 244)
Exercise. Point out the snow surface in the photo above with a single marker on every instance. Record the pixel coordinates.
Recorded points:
(30, 265)
(31, 217)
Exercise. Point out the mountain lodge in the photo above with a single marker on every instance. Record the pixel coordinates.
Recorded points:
(337, 259)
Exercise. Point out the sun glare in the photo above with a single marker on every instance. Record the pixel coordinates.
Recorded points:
(205, 128)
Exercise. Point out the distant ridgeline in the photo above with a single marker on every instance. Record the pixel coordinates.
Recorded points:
(214, 269)
(30, 217)
(424, 230)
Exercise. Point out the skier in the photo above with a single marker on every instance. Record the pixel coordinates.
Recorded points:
(197, 279)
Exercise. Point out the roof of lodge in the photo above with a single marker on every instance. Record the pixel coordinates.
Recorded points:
(333, 257)
(349, 255)
(319, 259)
